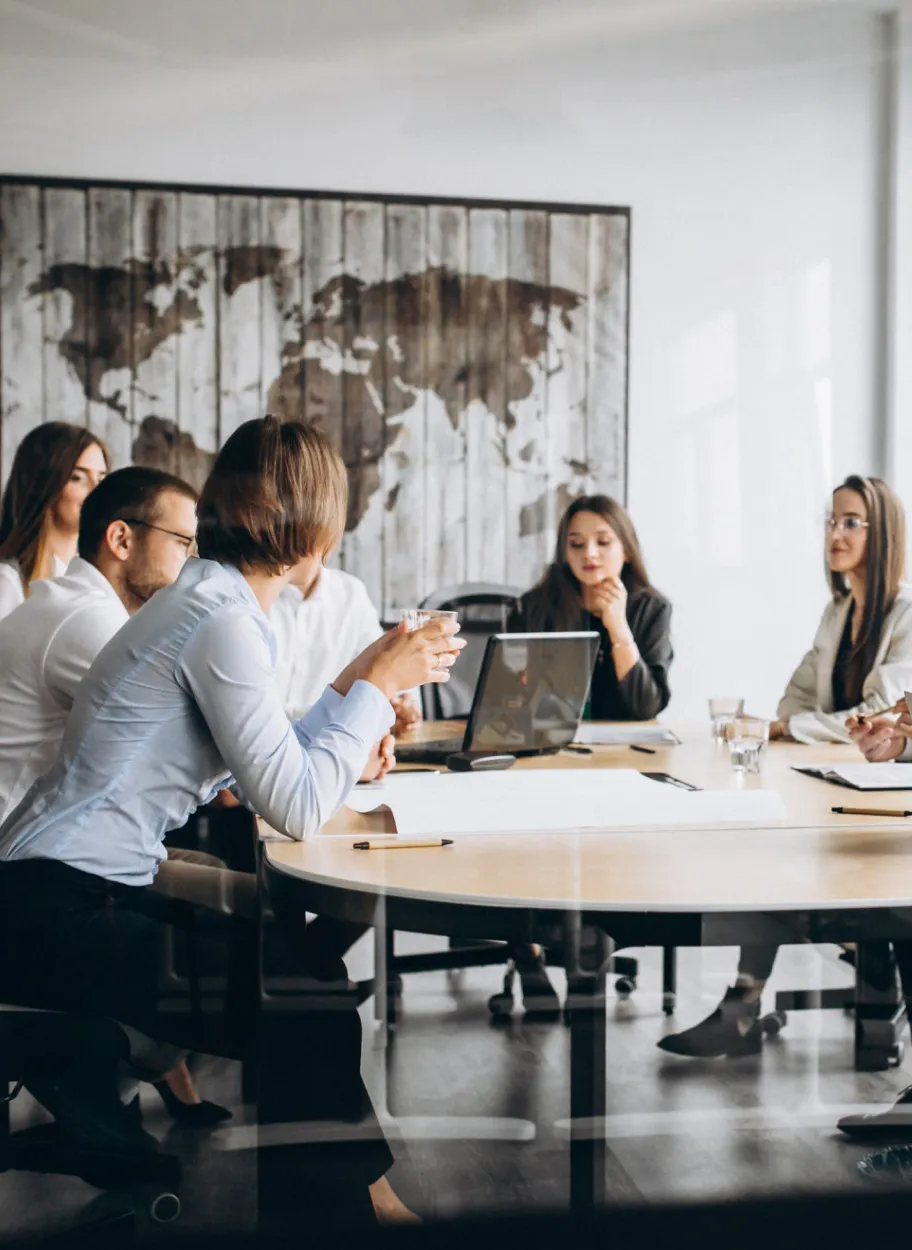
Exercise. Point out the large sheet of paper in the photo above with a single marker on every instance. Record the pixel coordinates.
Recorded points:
(593, 734)
(556, 801)
(861, 776)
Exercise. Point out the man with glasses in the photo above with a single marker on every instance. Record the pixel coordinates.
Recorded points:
(136, 530)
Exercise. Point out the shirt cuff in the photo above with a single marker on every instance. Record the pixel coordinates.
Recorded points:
(364, 704)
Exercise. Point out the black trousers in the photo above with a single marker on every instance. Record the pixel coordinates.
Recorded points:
(72, 941)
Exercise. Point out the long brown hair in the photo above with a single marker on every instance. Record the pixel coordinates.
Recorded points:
(884, 568)
(557, 601)
(43, 464)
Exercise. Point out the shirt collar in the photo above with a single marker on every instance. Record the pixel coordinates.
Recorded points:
(240, 581)
(83, 571)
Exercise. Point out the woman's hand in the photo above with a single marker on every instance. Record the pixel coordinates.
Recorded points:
(778, 730)
(608, 600)
(381, 759)
(881, 739)
(401, 660)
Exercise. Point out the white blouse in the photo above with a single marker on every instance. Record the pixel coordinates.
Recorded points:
(11, 590)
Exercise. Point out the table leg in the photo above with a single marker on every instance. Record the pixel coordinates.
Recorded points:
(586, 1004)
(880, 1010)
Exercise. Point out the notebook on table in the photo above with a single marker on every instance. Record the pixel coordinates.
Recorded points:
(861, 776)
(529, 698)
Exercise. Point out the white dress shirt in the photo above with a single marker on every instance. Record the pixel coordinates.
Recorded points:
(47, 645)
(12, 592)
(181, 703)
(318, 636)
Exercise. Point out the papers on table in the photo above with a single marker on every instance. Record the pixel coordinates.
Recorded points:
(861, 776)
(557, 801)
(592, 734)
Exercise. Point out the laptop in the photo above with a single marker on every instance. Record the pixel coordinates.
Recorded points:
(529, 698)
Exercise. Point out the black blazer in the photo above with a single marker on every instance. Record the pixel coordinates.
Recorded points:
(644, 692)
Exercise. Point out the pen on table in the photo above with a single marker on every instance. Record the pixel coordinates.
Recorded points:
(868, 811)
(403, 844)
(577, 749)
(643, 750)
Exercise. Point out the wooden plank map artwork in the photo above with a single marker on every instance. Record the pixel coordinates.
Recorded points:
(469, 360)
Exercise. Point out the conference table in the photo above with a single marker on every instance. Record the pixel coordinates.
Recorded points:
(816, 877)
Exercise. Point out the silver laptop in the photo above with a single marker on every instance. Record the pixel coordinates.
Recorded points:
(529, 699)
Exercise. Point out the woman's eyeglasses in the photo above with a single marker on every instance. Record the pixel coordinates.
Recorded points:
(187, 541)
(845, 524)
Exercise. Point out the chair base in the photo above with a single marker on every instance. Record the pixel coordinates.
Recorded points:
(154, 1179)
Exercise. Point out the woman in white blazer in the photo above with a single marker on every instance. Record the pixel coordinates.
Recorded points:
(860, 664)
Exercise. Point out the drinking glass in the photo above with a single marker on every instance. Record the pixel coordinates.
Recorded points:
(416, 617)
(746, 736)
(722, 712)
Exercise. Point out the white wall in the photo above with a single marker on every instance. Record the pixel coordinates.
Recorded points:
(747, 151)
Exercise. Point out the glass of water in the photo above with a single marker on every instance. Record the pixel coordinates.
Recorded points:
(722, 712)
(416, 617)
(746, 736)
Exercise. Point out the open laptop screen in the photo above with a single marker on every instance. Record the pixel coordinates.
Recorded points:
(531, 692)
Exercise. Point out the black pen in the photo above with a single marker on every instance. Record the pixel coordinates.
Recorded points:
(578, 750)
(643, 750)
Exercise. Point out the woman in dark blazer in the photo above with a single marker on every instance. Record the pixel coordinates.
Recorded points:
(598, 581)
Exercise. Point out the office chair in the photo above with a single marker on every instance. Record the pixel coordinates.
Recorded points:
(40, 1046)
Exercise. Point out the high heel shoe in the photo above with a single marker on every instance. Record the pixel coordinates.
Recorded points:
(191, 1115)
(732, 1030)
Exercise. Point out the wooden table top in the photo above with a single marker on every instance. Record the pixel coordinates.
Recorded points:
(820, 860)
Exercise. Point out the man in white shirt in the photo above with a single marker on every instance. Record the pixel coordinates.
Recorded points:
(320, 627)
(136, 531)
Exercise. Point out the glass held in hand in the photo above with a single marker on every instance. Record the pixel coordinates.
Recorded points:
(416, 617)
(745, 737)
(721, 713)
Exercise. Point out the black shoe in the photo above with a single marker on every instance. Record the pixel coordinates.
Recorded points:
(191, 1115)
(732, 1030)
(540, 1000)
(891, 1165)
(91, 1121)
(892, 1125)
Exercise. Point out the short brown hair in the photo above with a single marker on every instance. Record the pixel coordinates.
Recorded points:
(131, 494)
(277, 493)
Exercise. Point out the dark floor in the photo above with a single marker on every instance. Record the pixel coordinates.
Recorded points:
(479, 1112)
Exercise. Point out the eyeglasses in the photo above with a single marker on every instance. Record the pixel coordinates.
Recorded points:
(188, 541)
(845, 524)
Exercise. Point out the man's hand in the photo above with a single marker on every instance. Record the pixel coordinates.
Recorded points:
(407, 712)
(381, 759)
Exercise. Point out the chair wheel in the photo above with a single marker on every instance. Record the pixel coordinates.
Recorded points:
(625, 986)
(668, 1003)
(164, 1208)
(774, 1023)
(501, 1006)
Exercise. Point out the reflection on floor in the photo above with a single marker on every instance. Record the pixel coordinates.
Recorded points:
(677, 1128)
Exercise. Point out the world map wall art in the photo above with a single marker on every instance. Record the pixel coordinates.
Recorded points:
(469, 359)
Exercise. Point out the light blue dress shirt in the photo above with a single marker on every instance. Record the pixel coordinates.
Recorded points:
(180, 703)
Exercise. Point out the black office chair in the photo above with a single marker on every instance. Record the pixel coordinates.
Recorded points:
(38, 1046)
